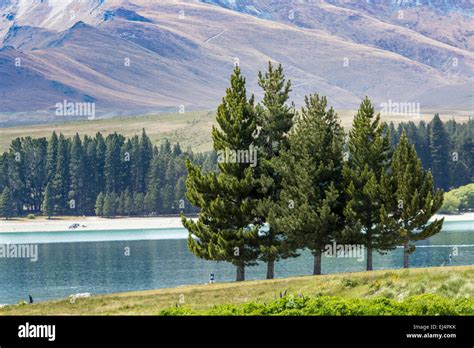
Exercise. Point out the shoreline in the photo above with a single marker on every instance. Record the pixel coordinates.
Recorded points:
(205, 295)
(93, 223)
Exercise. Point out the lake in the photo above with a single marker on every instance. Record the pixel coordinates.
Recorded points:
(98, 262)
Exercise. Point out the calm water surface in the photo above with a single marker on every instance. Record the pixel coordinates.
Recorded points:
(95, 261)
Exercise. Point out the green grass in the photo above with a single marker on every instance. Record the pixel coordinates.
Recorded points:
(397, 285)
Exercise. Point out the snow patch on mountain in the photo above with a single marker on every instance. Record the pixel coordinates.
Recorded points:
(241, 6)
(125, 14)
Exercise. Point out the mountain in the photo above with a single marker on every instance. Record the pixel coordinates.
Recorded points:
(446, 21)
(138, 56)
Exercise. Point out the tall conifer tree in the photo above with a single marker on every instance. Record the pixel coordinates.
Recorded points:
(439, 147)
(100, 164)
(312, 199)
(77, 172)
(90, 163)
(224, 230)
(52, 156)
(48, 201)
(364, 175)
(112, 163)
(275, 119)
(61, 178)
(6, 203)
(99, 205)
(415, 200)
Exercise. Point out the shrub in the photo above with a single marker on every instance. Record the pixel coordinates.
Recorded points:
(451, 204)
(349, 283)
(430, 304)
(425, 304)
(30, 216)
(460, 199)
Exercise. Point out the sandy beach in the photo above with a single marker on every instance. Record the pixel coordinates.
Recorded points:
(460, 217)
(92, 223)
(89, 223)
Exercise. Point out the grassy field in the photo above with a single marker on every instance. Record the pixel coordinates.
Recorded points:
(450, 282)
(189, 129)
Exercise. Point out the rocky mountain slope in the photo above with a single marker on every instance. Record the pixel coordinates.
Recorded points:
(139, 56)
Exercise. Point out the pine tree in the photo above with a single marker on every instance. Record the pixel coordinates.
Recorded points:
(126, 165)
(312, 200)
(415, 200)
(142, 154)
(167, 198)
(35, 152)
(394, 136)
(107, 208)
(101, 148)
(135, 165)
(146, 153)
(52, 156)
(225, 229)
(90, 188)
(423, 149)
(156, 177)
(151, 200)
(61, 178)
(128, 203)
(112, 164)
(99, 205)
(110, 204)
(6, 203)
(364, 175)
(48, 201)
(275, 119)
(121, 203)
(17, 175)
(116, 199)
(139, 204)
(439, 146)
(77, 172)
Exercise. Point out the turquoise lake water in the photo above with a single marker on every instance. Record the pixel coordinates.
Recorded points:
(96, 262)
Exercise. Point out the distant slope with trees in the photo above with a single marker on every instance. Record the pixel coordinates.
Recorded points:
(95, 175)
(447, 149)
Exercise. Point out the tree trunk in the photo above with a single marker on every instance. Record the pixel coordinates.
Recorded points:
(270, 269)
(369, 258)
(240, 273)
(406, 263)
(317, 263)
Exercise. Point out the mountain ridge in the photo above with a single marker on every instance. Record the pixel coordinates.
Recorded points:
(136, 57)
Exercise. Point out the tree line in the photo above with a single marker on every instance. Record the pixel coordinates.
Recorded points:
(95, 175)
(132, 177)
(447, 149)
(311, 186)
